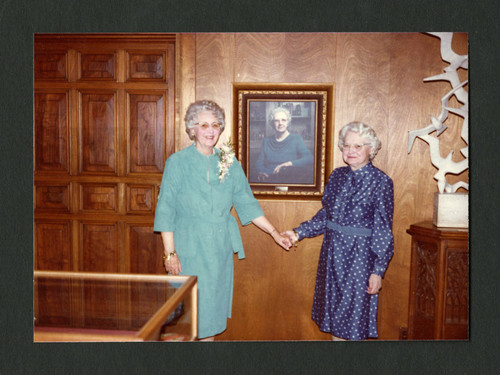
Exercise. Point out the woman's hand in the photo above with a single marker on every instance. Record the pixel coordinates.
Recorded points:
(291, 235)
(173, 265)
(374, 284)
(267, 227)
(281, 240)
(282, 165)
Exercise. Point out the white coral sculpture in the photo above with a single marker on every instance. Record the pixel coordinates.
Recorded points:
(446, 165)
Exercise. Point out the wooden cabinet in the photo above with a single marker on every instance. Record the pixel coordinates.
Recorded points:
(103, 128)
(439, 283)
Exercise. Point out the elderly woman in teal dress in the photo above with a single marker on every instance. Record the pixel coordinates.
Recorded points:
(284, 157)
(199, 187)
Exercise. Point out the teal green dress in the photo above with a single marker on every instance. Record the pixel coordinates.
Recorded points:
(195, 206)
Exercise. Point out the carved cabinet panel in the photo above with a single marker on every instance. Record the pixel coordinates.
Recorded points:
(103, 128)
(439, 283)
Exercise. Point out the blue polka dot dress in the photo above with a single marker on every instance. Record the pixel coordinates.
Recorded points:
(356, 221)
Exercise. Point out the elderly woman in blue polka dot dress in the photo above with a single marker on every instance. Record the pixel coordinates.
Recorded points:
(356, 221)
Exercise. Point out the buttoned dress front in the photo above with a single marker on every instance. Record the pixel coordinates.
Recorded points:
(356, 221)
(195, 205)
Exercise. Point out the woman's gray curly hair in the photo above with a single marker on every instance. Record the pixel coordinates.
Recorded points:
(279, 110)
(191, 117)
(364, 131)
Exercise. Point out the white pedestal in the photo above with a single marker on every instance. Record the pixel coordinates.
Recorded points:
(451, 210)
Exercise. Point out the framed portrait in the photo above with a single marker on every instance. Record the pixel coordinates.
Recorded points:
(283, 138)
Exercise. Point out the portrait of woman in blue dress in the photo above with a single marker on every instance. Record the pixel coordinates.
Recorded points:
(199, 187)
(284, 157)
(356, 223)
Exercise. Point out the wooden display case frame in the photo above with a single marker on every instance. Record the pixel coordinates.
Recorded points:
(151, 330)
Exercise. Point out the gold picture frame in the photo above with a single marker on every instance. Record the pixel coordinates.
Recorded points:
(310, 108)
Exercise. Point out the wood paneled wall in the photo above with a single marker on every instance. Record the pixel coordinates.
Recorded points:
(104, 126)
(85, 219)
(378, 79)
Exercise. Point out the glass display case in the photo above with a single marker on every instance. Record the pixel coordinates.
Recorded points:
(88, 306)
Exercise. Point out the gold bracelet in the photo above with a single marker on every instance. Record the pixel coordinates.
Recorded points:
(296, 238)
(167, 257)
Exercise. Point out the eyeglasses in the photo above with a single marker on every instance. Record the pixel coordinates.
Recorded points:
(355, 147)
(206, 126)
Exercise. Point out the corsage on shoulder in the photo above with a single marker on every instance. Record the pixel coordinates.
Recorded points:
(226, 159)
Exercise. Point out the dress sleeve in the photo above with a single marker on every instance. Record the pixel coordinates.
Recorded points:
(382, 237)
(166, 207)
(245, 204)
(317, 224)
(313, 227)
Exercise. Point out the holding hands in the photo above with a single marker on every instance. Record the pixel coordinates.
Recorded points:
(292, 236)
(281, 240)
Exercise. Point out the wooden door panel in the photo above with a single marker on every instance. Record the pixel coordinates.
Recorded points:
(50, 66)
(52, 198)
(51, 132)
(104, 115)
(147, 136)
(146, 65)
(141, 199)
(99, 197)
(97, 66)
(53, 245)
(146, 250)
(98, 132)
(99, 247)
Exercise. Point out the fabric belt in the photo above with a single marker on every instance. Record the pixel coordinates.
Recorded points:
(234, 231)
(349, 230)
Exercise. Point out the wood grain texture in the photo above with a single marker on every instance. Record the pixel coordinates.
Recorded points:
(378, 79)
(274, 288)
(52, 128)
(253, 58)
(214, 72)
(102, 135)
(303, 57)
(185, 77)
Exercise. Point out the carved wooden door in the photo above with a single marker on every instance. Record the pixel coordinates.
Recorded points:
(103, 128)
